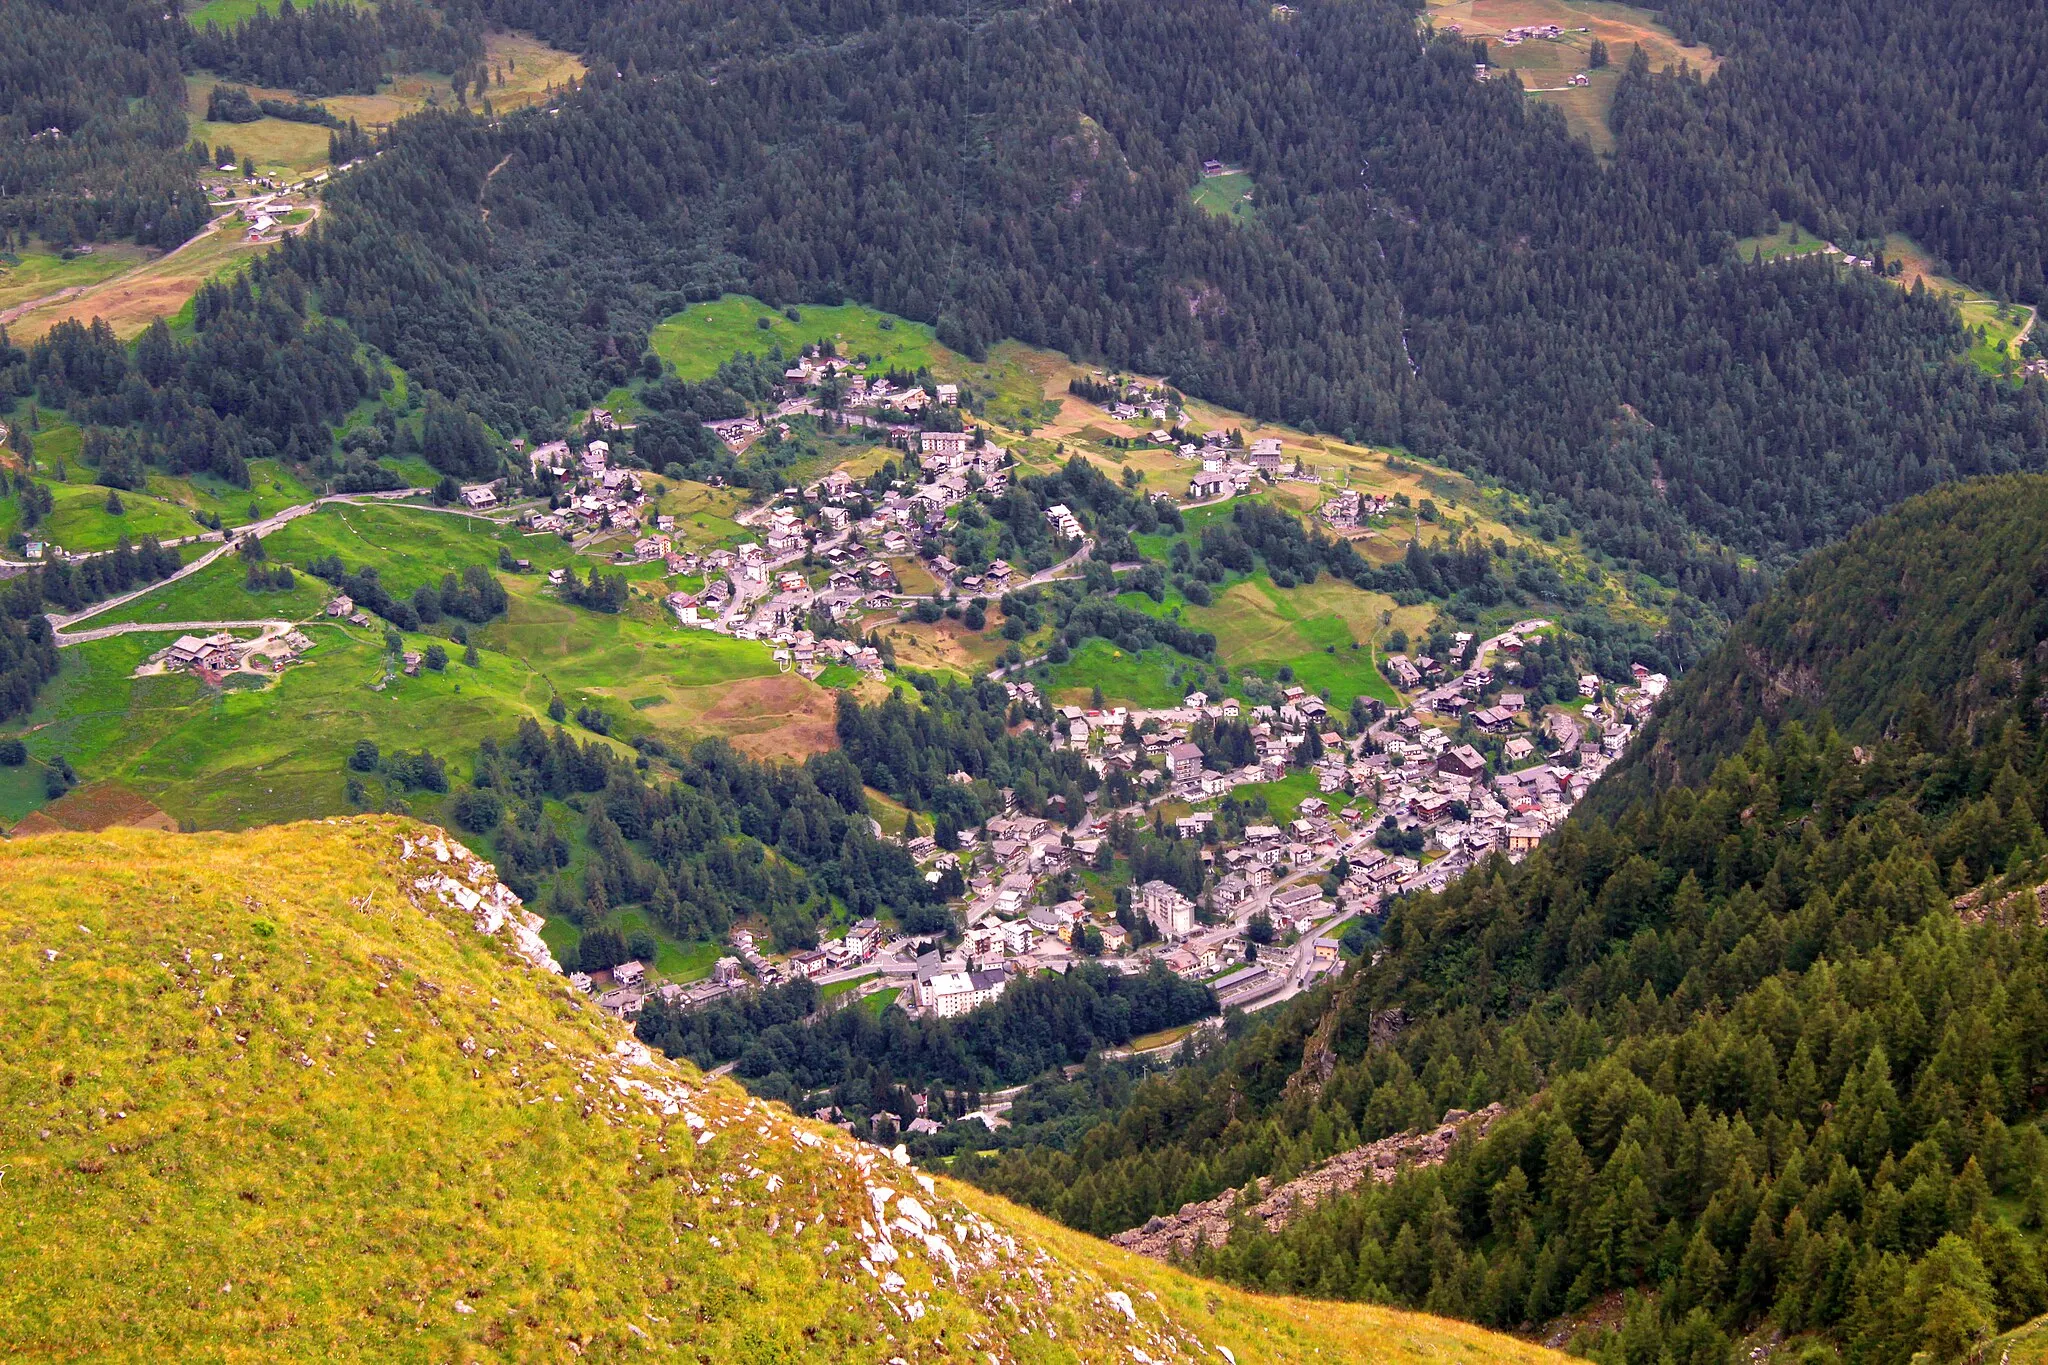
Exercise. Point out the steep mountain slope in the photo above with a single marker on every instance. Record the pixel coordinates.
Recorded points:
(1925, 618)
(315, 1091)
(1769, 1038)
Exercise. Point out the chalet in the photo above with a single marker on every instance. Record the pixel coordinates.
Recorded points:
(215, 652)
(1518, 749)
(684, 605)
(1212, 167)
(341, 604)
(478, 496)
(1495, 720)
(1463, 761)
(1209, 484)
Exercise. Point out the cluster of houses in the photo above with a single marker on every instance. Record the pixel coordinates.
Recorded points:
(1348, 509)
(1523, 33)
(1227, 469)
(213, 657)
(266, 218)
(813, 369)
(601, 496)
(1403, 807)
(1137, 401)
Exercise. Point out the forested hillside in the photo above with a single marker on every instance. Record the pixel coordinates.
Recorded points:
(92, 124)
(1762, 1073)
(1914, 625)
(1434, 262)
(328, 47)
(1887, 116)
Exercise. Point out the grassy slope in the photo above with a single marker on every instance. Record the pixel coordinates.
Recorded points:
(36, 274)
(79, 520)
(247, 758)
(2027, 1345)
(322, 1118)
(158, 287)
(705, 335)
(1224, 196)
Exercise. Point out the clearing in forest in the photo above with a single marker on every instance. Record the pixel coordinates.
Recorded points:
(1225, 196)
(160, 286)
(704, 336)
(1546, 65)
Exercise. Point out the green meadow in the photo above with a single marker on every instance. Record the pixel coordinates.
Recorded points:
(1324, 635)
(696, 341)
(1284, 798)
(243, 757)
(30, 275)
(1224, 196)
(1144, 680)
(168, 507)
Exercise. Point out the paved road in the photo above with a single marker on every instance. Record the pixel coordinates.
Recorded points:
(259, 529)
(183, 627)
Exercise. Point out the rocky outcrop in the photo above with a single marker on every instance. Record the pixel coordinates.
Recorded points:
(1977, 906)
(1208, 1223)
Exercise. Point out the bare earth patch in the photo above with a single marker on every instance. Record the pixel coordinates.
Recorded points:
(782, 717)
(100, 805)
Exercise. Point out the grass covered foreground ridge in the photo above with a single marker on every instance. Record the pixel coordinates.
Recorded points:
(316, 1091)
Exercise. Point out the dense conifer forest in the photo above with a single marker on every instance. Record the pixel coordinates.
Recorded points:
(92, 124)
(1887, 117)
(871, 1063)
(329, 47)
(1434, 262)
(1757, 1062)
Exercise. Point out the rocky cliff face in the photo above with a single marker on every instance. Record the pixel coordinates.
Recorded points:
(1208, 1223)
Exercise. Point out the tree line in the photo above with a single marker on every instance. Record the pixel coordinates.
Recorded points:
(870, 1061)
